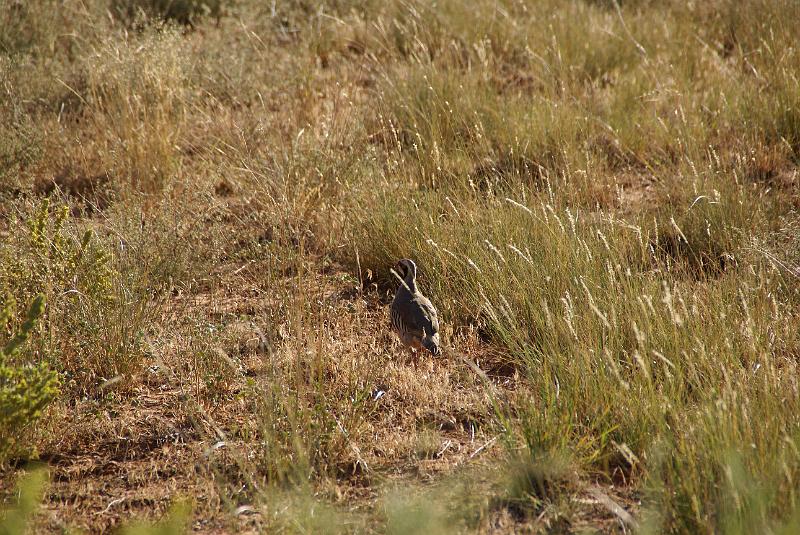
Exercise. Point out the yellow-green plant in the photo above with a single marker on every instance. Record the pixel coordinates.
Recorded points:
(90, 332)
(25, 390)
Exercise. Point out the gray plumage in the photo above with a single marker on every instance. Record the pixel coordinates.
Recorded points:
(413, 317)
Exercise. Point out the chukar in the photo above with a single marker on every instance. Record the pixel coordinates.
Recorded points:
(413, 317)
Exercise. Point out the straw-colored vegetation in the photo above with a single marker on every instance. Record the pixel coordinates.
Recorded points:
(201, 201)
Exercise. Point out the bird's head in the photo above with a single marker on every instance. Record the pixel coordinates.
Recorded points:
(405, 267)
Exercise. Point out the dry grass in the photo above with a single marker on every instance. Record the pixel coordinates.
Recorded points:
(601, 198)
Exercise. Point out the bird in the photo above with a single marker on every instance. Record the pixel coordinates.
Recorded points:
(413, 316)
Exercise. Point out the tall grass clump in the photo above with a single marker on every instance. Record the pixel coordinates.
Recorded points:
(40, 44)
(747, 71)
(452, 131)
(625, 341)
(136, 100)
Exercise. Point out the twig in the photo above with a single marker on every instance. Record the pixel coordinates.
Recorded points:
(486, 445)
(639, 47)
(111, 504)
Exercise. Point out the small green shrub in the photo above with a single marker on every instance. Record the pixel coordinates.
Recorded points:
(25, 390)
(94, 318)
